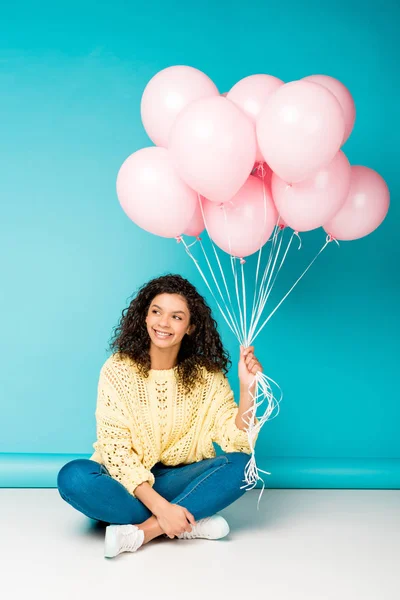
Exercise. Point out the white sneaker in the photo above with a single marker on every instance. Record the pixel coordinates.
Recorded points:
(210, 528)
(122, 538)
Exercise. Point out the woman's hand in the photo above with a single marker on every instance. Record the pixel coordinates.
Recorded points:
(248, 367)
(174, 519)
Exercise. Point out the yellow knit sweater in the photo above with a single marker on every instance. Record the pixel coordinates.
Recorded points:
(142, 421)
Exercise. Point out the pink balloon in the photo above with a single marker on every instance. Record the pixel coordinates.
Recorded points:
(196, 225)
(213, 147)
(344, 97)
(311, 203)
(241, 226)
(300, 129)
(365, 208)
(167, 94)
(152, 195)
(251, 93)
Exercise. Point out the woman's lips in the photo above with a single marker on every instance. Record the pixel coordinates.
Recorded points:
(162, 336)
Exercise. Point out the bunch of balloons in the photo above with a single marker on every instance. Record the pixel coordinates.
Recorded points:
(209, 148)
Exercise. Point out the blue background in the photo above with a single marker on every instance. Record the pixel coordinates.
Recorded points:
(72, 75)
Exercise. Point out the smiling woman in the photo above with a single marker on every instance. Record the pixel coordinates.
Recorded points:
(163, 399)
(171, 305)
(168, 321)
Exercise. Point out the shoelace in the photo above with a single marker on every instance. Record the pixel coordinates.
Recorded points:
(198, 528)
(130, 541)
(204, 521)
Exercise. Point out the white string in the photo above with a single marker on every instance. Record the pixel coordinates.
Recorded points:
(260, 249)
(293, 286)
(276, 232)
(262, 383)
(244, 307)
(266, 293)
(220, 293)
(234, 317)
(208, 285)
(264, 287)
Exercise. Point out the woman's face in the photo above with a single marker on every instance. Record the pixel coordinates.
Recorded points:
(168, 320)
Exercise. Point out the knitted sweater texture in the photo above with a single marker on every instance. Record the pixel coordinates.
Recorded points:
(142, 421)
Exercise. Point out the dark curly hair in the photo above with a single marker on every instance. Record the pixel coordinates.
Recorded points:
(203, 348)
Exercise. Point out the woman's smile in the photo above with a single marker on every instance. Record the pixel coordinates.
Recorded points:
(162, 335)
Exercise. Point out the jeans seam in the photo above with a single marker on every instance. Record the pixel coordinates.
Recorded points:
(201, 481)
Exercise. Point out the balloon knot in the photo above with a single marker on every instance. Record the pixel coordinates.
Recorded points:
(242, 261)
(282, 226)
(178, 239)
(330, 238)
(261, 172)
(198, 238)
(297, 233)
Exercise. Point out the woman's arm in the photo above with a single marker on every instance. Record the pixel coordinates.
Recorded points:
(247, 369)
(229, 430)
(246, 401)
(150, 498)
(114, 440)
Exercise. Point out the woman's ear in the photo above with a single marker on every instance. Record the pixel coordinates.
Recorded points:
(191, 329)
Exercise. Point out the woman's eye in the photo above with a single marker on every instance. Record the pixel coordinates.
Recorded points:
(176, 316)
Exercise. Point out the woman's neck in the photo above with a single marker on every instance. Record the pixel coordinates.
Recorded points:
(163, 359)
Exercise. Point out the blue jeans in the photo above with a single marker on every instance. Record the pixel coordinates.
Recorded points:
(203, 488)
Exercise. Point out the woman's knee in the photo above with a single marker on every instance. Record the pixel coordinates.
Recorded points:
(239, 460)
(73, 475)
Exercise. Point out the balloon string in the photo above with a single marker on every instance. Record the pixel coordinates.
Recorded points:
(260, 249)
(235, 278)
(234, 317)
(264, 288)
(230, 325)
(262, 383)
(293, 286)
(269, 287)
(230, 311)
(267, 267)
(244, 306)
(219, 290)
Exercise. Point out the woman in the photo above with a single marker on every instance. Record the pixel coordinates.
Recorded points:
(163, 399)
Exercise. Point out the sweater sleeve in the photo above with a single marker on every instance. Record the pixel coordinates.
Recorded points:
(225, 431)
(114, 439)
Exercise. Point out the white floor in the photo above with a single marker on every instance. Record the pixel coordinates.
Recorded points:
(302, 544)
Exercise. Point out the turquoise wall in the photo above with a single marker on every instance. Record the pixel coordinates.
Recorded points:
(71, 76)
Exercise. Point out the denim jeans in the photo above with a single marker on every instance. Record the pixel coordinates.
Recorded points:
(203, 488)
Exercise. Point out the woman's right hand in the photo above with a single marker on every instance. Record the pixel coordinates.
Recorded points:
(174, 519)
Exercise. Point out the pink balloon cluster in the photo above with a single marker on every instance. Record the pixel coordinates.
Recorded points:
(234, 162)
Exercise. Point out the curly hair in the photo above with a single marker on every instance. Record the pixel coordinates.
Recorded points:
(203, 348)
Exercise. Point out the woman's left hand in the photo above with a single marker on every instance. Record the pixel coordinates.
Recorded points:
(248, 366)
